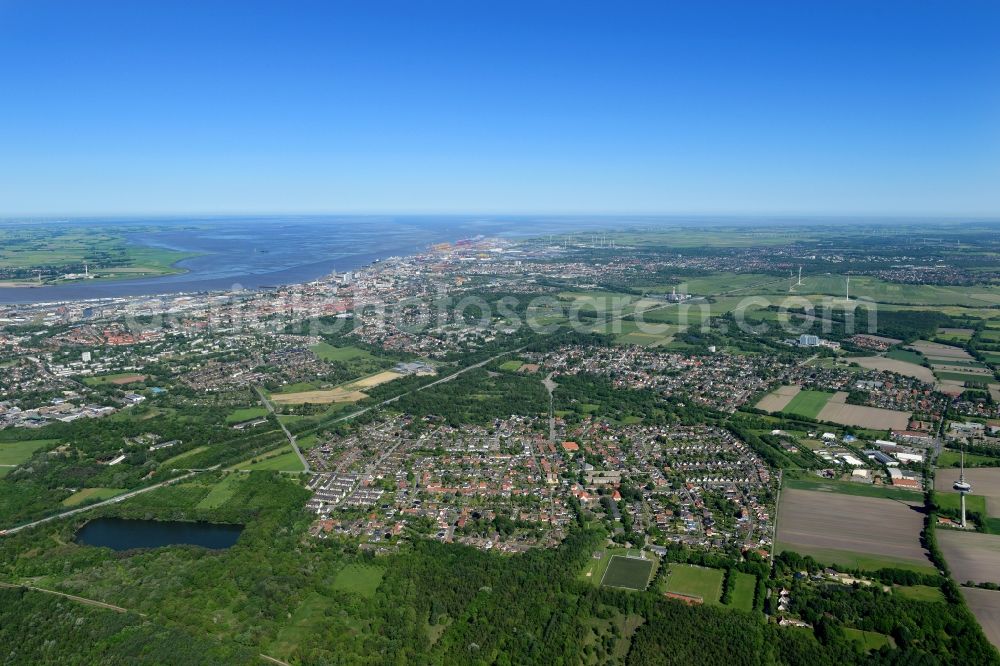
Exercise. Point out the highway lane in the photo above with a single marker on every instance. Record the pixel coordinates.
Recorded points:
(89, 507)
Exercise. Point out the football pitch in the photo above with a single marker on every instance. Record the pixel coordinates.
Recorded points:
(629, 572)
(700, 583)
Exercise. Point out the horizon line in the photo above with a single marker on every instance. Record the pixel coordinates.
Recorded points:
(50, 217)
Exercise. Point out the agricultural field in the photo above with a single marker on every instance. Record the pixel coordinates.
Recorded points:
(358, 579)
(836, 410)
(985, 605)
(936, 351)
(955, 334)
(719, 283)
(62, 249)
(985, 485)
(375, 380)
(899, 366)
(91, 494)
(852, 530)
(818, 484)
(628, 572)
(906, 355)
(865, 288)
(971, 555)
(693, 312)
(880, 291)
(778, 399)
(700, 583)
(807, 403)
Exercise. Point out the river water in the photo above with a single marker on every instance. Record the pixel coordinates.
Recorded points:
(254, 252)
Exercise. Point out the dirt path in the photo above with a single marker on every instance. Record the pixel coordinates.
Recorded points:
(73, 597)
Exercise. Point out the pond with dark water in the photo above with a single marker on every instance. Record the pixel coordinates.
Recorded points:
(126, 534)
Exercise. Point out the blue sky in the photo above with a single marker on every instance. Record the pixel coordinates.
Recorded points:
(835, 107)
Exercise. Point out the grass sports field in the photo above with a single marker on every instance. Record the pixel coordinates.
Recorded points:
(807, 403)
(698, 582)
(743, 594)
(629, 572)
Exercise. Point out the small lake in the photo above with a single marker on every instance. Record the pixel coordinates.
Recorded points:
(126, 534)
